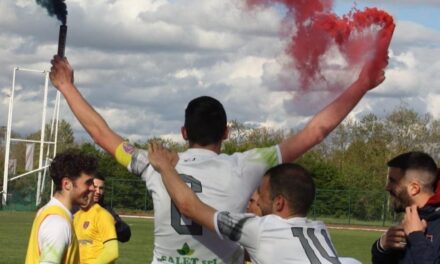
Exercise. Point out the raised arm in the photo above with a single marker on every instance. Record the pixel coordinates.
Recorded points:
(185, 199)
(61, 75)
(327, 119)
(332, 115)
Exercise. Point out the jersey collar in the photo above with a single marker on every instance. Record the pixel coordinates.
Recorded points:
(200, 152)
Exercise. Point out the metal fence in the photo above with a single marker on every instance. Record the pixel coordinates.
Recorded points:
(350, 207)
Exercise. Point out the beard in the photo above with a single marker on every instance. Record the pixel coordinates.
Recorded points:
(401, 200)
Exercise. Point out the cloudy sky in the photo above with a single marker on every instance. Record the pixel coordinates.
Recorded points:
(139, 62)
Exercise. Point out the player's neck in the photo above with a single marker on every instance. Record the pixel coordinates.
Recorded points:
(64, 199)
(86, 208)
(213, 147)
(422, 199)
(286, 214)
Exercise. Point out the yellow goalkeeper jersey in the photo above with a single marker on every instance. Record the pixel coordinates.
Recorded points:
(93, 228)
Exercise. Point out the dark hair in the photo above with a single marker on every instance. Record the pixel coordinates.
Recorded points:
(295, 184)
(71, 164)
(99, 176)
(420, 161)
(205, 121)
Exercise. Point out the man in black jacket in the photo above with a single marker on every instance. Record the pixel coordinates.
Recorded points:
(412, 180)
(123, 231)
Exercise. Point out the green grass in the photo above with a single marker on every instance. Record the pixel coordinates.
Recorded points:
(15, 228)
(354, 221)
(354, 243)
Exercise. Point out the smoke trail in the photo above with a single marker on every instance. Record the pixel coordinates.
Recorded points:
(356, 35)
(55, 7)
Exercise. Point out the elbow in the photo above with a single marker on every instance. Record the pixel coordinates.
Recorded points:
(97, 135)
(320, 133)
(102, 139)
(186, 208)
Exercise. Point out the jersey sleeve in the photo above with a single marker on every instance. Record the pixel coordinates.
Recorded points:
(242, 228)
(53, 238)
(106, 226)
(134, 159)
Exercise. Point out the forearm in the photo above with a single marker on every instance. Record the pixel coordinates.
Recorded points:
(109, 254)
(186, 200)
(322, 123)
(91, 120)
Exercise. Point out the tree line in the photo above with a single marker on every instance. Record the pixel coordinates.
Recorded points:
(353, 157)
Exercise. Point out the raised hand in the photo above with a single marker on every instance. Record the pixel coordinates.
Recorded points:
(61, 73)
(370, 76)
(373, 72)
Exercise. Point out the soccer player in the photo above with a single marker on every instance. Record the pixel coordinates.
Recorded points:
(412, 182)
(52, 238)
(96, 232)
(225, 182)
(123, 231)
(284, 235)
(252, 206)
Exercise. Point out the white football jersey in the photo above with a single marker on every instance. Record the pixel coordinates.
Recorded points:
(272, 239)
(54, 234)
(225, 182)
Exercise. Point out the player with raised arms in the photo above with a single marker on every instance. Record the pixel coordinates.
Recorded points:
(224, 182)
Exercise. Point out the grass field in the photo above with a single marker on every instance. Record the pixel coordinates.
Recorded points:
(15, 228)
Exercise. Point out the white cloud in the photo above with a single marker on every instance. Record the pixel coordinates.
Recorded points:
(139, 62)
(433, 105)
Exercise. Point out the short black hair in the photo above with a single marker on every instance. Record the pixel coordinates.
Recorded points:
(295, 184)
(417, 160)
(99, 176)
(205, 121)
(71, 164)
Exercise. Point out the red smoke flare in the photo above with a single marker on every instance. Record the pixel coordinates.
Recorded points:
(357, 35)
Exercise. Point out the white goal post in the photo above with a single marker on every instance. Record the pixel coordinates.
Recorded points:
(44, 159)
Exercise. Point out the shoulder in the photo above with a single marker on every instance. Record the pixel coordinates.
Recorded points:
(103, 213)
(55, 221)
(55, 227)
(268, 155)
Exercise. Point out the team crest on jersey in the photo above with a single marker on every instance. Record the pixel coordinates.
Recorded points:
(185, 250)
(86, 224)
(128, 148)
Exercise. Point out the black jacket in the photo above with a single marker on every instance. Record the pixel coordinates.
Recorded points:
(123, 231)
(421, 247)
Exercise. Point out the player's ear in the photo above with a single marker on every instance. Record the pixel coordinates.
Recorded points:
(184, 133)
(414, 188)
(279, 203)
(226, 133)
(66, 184)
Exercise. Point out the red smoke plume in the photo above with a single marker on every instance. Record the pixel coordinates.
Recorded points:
(356, 35)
